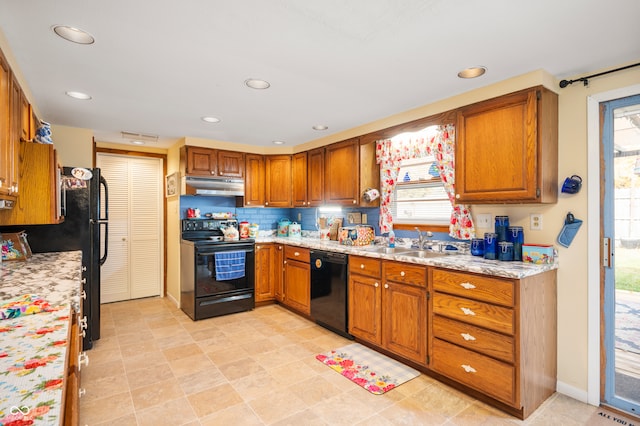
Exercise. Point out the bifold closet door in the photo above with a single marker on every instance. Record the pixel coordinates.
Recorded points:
(134, 267)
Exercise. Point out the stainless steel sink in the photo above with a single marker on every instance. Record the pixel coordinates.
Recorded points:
(389, 250)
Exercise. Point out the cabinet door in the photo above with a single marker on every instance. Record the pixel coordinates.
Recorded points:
(507, 149)
(15, 131)
(254, 181)
(315, 177)
(364, 308)
(299, 179)
(230, 164)
(405, 321)
(342, 168)
(6, 158)
(201, 161)
(297, 286)
(264, 272)
(278, 181)
(278, 264)
(25, 119)
(38, 203)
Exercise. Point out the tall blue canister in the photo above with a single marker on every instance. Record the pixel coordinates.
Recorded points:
(515, 234)
(490, 245)
(502, 223)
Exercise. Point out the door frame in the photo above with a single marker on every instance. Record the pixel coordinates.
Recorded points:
(595, 273)
(96, 150)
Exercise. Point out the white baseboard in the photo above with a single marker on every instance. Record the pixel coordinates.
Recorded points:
(173, 299)
(572, 392)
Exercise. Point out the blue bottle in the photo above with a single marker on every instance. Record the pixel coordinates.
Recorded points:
(502, 223)
(490, 245)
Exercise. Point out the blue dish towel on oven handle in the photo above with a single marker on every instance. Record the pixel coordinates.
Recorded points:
(230, 265)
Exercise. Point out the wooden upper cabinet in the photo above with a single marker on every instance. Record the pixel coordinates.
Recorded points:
(15, 133)
(278, 181)
(315, 177)
(342, 168)
(299, 179)
(254, 182)
(230, 164)
(507, 149)
(201, 161)
(26, 131)
(6, 158)
(369, 173)
(38, 204)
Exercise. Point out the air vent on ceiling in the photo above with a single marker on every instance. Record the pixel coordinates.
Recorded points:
(139, 137)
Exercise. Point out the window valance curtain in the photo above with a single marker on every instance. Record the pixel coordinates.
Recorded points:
(438, 142)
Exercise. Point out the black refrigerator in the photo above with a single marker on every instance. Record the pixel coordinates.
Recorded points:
(85, 227)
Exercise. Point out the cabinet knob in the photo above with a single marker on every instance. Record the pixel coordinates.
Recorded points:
(354, 201)
(266, 203)
(468, 368)
(258, 248)
(361, 266)
(468, 286)
(376, 285)
(457, 196)
(402, 273)
(212, 172)
(386, 286)
(296, 254)
(248, 202)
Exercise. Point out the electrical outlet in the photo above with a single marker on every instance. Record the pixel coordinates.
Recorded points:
(484, 221)
(364, 218)
(535, 221)
(299, 217)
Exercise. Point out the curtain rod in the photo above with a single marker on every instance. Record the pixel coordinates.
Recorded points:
(585, 80)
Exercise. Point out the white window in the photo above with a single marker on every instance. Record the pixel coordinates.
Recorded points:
(419, 195)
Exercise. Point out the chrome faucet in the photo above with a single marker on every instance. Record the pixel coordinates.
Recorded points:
(421, 239)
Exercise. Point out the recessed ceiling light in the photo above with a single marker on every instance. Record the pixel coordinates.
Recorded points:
(78, 95)
(211, 119)
(320, 127)
(472, 72)
(136, 142)
(75, 35)
(255, 83)
(278, 142)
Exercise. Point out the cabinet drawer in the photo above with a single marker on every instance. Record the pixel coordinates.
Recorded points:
(487, 289)
(298, 253)
(365, 266)
(478, 339)
(485, 374)
(473, 312)
(405, 273)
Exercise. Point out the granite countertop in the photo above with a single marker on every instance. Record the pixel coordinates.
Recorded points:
(460, 262)
(34, 348)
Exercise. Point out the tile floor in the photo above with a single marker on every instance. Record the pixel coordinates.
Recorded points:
(154, 366)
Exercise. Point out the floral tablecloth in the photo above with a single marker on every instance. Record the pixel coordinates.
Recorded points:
(33, 350)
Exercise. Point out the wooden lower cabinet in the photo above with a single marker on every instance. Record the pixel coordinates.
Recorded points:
(495, 335)
(297, 279)
(265, 272)
(72, 379)
(388, 313)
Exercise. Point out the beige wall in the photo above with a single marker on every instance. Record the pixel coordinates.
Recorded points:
(74, 145)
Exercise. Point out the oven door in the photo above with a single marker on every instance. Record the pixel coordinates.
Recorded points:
(224, 269)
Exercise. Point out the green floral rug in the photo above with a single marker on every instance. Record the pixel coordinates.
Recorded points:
(367, 368)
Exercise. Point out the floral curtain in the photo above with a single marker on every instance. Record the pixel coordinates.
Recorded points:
(437, 141)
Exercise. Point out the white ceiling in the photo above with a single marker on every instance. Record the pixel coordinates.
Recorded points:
(157, 66)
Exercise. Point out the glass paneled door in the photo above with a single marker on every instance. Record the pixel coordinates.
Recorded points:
(621, 252)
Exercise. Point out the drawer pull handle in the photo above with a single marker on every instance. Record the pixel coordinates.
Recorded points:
(402, 273)
(376, 285)
(83, 358)
(361, 266)
(468, 286)
(468, 368)
(467, 336)
(467, 311)
(386, 286)
(296, 254)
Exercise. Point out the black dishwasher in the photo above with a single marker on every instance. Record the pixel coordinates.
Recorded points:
(329, 290)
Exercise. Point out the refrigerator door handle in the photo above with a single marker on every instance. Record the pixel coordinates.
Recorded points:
(104, 220)
(106, 241)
